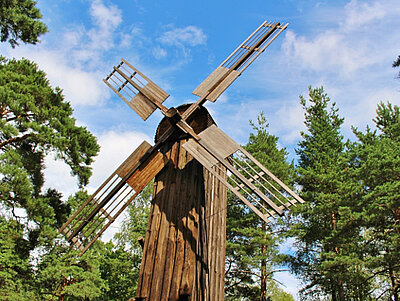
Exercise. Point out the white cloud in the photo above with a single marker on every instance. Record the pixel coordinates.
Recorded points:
(350, 46)
(76, 62)
(287, 123)
(328, 52)
(359, 14)
(107, 20)
(187, 36)
(292, 284)
(105, 17)
(115, 148)
(159, 52)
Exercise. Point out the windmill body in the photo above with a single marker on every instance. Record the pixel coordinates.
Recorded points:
(194, 163)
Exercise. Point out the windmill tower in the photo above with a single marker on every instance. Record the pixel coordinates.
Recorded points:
(194, 163)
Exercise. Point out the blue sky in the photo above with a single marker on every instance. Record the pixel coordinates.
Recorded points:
(346, 46)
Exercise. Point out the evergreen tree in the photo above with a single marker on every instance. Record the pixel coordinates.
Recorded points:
(326, 227)
(20, 20)
(252, 253)
(34, 120)
(379, 173)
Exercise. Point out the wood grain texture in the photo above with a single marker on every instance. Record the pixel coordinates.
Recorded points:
(216, 83)
(184, 251)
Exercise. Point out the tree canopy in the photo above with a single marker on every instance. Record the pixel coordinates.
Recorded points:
(20, 21)
(252, 252)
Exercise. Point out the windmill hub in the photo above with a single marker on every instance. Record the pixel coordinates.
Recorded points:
(198, 121)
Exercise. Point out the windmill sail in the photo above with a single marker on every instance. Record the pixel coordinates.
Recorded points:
(218, 81)
(91, 220)
(138, 91)
(251, 182)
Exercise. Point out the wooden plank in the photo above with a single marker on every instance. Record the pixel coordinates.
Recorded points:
(132, 159)
(142, 106)
(193, 198)
(204, 88)
(147, 270)
(200, 153)
(183, 190)
(147, 171)
(223, 85)
(140, 293)
(216, 83)
(159, 93)
(220, 143)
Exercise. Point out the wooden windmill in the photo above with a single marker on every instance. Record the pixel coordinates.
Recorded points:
(193, 163)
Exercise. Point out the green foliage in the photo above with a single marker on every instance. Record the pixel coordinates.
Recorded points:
(20, 20)
(120, 270)
(326, 227)
(65, 275)
(252, 247)
(34, 120)
(379, 172)
(16, 281)
(134, 225)
(37, 119)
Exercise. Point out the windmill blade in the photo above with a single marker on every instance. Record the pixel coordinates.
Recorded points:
(251, 182)
(138, 91)
(113, 196)
(218, 81)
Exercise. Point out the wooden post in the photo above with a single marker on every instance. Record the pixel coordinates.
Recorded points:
(184, 249)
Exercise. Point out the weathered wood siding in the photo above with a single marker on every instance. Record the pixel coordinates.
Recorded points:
(184, 250)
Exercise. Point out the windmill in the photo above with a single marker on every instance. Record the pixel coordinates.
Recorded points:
(193, 163)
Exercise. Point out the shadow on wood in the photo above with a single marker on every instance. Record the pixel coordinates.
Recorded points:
(184, 251)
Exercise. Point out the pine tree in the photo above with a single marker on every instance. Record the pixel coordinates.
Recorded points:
(34, 120)
(252, 246)
(20, 20)
(379, 173)
(326, 226)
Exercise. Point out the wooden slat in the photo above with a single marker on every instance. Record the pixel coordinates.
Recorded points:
(245, 181)
(239, 60)
(270, 174)
(133, 158)
(216, 83)
(148, 97)
(200, 153)
(142, 106)
(139, 179)
(220, 143)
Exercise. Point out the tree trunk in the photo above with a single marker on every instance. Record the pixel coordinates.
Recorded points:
(263, 265)
(393, 283)
(340, 290)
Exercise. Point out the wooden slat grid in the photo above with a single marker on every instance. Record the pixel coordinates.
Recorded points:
(91, 220)
(251, 182)
(230, 69)
(138, 91)
(253, 46)
(95, 225)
